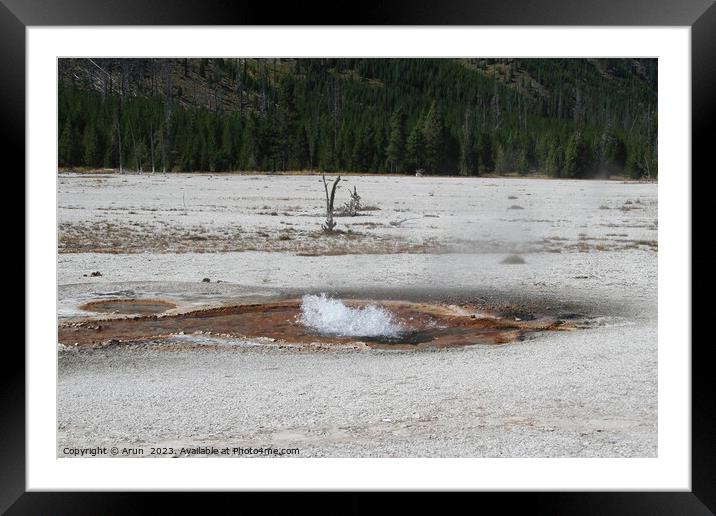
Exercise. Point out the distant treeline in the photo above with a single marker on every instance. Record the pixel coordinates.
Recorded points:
(573, 118)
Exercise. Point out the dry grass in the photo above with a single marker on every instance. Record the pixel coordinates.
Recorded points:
(105, 237)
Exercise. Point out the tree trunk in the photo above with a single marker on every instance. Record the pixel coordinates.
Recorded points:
(330, 198)
(151, 145)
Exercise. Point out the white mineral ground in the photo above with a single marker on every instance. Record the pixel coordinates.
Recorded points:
(585, 393)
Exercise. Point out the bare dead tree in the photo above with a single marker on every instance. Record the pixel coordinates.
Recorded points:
(312, 133)
(167, 106)
(151, 144)
(335, 114)
(353, 205)
(134, 146)
(330, 224)
(495, 107)
(239, 85)
(647, 163)
(119, 138)
(578, 107)
(398, 222)
(263, 80)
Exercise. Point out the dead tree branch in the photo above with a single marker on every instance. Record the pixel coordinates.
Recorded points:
(353, 205)
(330, 224)
(397, 223)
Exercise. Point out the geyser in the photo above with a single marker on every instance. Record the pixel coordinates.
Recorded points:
(328, 316)
(318, 321)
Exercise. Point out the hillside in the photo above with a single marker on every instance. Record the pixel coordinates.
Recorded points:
(562, 117)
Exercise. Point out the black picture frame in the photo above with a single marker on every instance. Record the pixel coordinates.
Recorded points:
(700, 15)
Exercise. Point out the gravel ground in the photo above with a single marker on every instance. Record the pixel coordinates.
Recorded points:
(588, 246)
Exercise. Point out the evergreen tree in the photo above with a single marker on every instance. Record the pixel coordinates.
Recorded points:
(468, 161)
(65, 150)
(226, 155)
(90, 146)
(555, 159)
(504, 158)
(522, 164)
(612, 153)
(434, 137)
(378, 145)
(415, 150)
(395, 152)
(248, 156)
(577, 156)
(583, 119)
(361, 158)
(485, 153)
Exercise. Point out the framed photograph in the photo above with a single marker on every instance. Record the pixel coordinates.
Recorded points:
(388, 256)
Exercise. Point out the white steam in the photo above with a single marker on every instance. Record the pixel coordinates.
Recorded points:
(328, 316)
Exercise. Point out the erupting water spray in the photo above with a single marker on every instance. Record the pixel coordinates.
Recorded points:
(328, 316)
